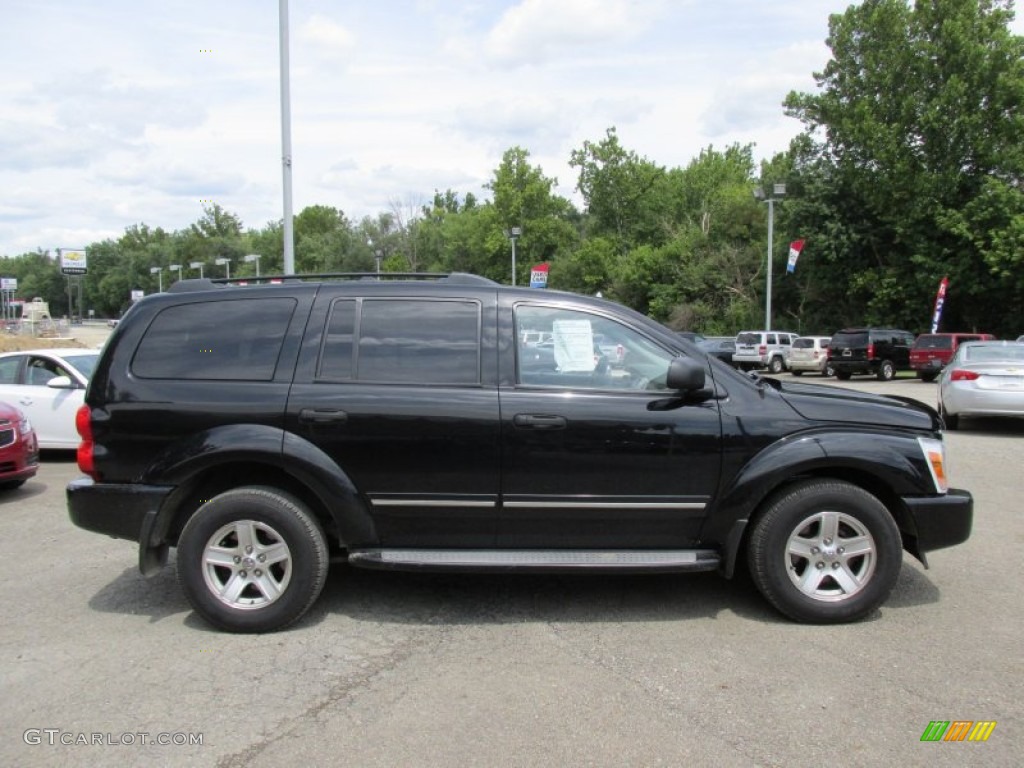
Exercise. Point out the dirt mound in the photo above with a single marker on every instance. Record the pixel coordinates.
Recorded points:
(10, 343)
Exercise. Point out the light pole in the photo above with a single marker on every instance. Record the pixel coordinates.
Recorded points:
(159, 272)
(778, 192)
(513, 235)
(198, 265)
(177, 267)
(227, 266)
(251, 258)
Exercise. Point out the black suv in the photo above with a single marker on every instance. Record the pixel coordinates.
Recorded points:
(264, 430)
(879, 352)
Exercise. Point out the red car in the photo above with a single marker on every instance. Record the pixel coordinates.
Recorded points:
(931, 351)
(19, 450)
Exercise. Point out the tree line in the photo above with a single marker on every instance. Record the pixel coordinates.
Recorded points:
(908, 169)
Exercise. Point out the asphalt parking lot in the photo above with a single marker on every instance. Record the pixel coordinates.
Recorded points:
(426, 670)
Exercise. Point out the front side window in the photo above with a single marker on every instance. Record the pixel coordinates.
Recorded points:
(586, 351)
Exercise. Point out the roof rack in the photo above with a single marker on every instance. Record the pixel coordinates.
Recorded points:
(463, 278)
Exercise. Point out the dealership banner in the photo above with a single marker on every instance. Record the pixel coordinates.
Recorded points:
(794, 253)
(539, 276)
(940, 299)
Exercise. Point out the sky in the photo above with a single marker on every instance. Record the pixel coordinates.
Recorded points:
(121, 112)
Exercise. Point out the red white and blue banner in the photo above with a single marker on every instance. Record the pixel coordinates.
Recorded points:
(794, 253)
(940, 299)
(539, 276)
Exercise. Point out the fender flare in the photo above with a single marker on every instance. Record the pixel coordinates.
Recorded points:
(888, 466)
(257, 444)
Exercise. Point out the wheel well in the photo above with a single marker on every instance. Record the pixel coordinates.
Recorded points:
(199, 489)
(864, 480)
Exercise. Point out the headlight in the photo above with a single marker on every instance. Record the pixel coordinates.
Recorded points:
(935, 456)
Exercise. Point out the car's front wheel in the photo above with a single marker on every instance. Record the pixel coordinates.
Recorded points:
(252, 559)
(825, 552)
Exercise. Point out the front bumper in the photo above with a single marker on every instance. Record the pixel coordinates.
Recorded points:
(116, 509)
(938, 521)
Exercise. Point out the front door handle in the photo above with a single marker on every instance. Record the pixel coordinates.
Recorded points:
(322, 416)
(538, 421)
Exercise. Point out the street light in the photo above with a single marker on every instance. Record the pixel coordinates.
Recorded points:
(177, 267)
(513, 234)
(159, 272)
(198, 265)
(227, 266)
(251, 258)
(778, 192)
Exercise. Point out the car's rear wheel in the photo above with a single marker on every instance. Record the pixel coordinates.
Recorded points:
(886, 371)
(926, 376)
(797, 373)
(776, 365)
(843, 375)
(825, 552)
(10, 485)
(252, 559)
(828, 371)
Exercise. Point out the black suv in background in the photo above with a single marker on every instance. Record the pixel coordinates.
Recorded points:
(454, 424)
(880, 352)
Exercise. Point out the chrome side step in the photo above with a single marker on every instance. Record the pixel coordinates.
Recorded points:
(536, 560)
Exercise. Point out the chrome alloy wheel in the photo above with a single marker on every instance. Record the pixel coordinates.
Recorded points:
(830, 556)
(247, 564)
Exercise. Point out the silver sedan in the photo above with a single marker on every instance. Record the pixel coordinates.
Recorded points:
(984, 378)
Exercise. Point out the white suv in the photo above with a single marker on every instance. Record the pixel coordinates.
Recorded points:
(762, 349)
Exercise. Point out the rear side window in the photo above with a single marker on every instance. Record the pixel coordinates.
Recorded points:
(403, 341)
(237, 340)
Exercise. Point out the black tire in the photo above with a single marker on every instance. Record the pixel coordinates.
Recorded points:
(828, 372)
(797, 373)
(926, 376)
(843, 375)
(776, 365)
(213, 555)
(951, 420)
(825, 585)
(886, 371)
(10, 485)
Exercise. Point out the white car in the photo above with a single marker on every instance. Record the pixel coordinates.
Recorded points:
(984, 378)
(49, 386)
(762, 349)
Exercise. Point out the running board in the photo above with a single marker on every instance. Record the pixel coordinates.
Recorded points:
(537, 560)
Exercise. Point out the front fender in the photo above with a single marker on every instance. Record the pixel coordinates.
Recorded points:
(886, 464)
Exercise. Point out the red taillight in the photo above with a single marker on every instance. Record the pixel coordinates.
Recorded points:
(871, 351)
(83, 423)
(762, 349)
(959, 375)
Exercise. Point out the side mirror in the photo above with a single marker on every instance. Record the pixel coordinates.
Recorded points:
(61, 382)
(685, 374)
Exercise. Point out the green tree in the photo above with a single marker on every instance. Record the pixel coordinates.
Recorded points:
(916, 128)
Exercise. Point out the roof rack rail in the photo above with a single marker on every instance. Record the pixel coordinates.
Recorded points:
(462, 278)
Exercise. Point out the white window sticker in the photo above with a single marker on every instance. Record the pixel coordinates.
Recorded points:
(574, 346)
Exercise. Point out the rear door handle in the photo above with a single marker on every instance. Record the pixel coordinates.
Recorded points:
(322, 416)
(536, 421)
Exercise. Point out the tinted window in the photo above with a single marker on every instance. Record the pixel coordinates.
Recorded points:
(748, 338)
(337, 360)
(803, 344)
(417, 341)
(850, 339)
(218, 340)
